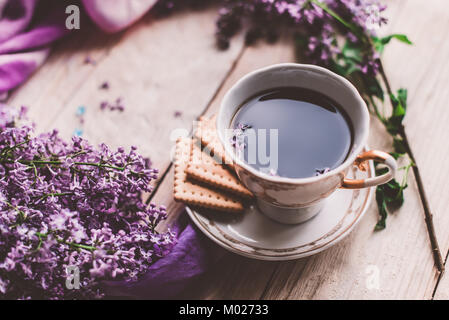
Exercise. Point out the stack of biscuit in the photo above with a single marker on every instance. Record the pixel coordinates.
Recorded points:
(204, 176)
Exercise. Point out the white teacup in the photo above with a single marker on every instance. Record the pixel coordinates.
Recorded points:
(295, 200)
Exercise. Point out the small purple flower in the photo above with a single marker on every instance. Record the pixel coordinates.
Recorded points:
(237, 139)
(104, 105)
(243, 126)
(319, 172)
(89, 60)
(105, 85)
(177, 114)
(117, 105)
(315, 26)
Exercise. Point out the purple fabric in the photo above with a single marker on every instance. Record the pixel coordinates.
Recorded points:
(27, 29)
(168, 277)
(16, 16)
(28, 26)
(116, 15)
(15, 68)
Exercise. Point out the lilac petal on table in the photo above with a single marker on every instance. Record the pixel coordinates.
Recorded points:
(115, 15)
(191, 257)
(15, 16)
(15, 68)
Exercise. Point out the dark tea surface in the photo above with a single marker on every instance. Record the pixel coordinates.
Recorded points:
(314, 134)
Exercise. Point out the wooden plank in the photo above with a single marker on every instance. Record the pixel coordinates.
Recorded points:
(48, 90)
(233, 277)
(442, 290)
(425, 72)
(155, 67)
(401, 253)
(400, 256)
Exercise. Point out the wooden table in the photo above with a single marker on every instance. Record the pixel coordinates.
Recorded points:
(168, 65)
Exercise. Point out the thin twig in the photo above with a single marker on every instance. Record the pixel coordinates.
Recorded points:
(428, 214)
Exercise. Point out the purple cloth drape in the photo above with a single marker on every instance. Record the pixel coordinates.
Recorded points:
(26, 34)
(168, 277)
(28, 28)
(116, 15)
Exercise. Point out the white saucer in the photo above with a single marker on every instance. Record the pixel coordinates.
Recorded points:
(254, 235)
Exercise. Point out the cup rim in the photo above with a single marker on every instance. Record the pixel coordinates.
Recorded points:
(349, 160)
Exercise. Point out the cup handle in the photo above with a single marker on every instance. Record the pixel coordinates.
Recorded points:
(361, 163)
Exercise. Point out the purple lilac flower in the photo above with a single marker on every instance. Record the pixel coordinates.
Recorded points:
(366, 13)
(117, 105)
(89, 60)
(319, 172)
(177, 114)
(71, 204)
(307, 17)
(304, 17)
(238, 134)
(104, 105)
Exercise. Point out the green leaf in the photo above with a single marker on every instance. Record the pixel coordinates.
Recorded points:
(373, 87)
(351, 51)
(401, 37)
(347, 62)
(402, 97)
(382, 205)
(399, 111)
(399, 102)
(389, 196)
(394, 194)
(380, 43)
(399, 146)
(396, 155)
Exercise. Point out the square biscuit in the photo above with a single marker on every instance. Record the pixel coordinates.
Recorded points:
(204, 168)
(194, 194)
(206, 132)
